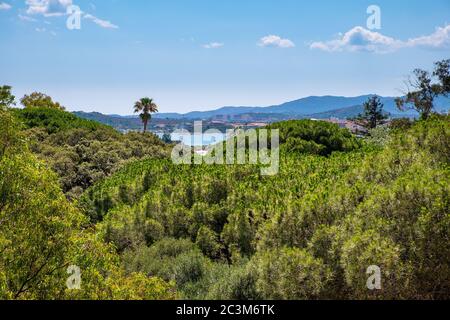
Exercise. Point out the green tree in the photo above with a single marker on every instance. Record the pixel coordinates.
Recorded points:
(40, 100)
(373, 114)
(41, 234)
(6, 97)
(442, 72)
(290, 273)
(166, 138)
(145, 107)
(425, 88)
(207, 242)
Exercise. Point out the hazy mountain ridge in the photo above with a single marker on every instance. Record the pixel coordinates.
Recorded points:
(310, 107)
(301, 107)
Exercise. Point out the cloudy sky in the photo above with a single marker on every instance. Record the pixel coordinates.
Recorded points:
(202, 54)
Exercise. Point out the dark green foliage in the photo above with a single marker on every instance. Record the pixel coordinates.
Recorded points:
(166, 138)
(83, 152)
(373, 114)
(426, 87)
(145, 107)
(207, 241)
(54, 120)
(170, 259)
(401, 124)
(6, 97)
(314, 137)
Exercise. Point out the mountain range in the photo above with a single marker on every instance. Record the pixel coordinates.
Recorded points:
(301, 107)
(309, 107)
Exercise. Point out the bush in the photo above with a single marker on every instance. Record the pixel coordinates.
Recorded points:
(315, 137)
(289, 273)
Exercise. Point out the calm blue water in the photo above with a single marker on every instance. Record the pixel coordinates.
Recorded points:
(197, 140)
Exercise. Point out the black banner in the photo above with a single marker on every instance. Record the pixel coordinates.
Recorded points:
(223, 309)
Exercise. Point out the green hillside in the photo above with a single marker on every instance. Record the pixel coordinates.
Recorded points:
(41, 234)
(75, 192)
(225, 232)
(54, 120)
(81, 151)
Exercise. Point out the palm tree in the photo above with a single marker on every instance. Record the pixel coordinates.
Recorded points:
(145, 107)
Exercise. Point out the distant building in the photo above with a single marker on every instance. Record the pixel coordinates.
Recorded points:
(347, 124)
(257, 124)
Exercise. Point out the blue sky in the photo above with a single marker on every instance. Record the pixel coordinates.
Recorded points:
(202, 54)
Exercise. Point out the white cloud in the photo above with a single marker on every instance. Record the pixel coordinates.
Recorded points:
(361, 39)
(26, 18)
(40, 29)
(5, 6)
(275, 41)
(48, 8)
(52, 8)
(213, 45)
(100, 22)
(440, 38)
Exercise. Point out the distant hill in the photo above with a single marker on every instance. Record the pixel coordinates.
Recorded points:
(311, 107)
(115, 121)
(301, 107)
(343, 113)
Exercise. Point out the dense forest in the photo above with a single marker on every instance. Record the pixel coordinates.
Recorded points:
(75, 192)
(225, 232)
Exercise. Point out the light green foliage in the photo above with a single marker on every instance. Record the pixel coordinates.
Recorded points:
(289, 273)
(40, 100)
(234, 282)
(172, 260)
(41, 234)
(379, 136)
(320, 223)
(155, 230)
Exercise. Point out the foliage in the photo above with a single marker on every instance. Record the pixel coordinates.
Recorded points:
(426, 88)
(166, 138)
(289, 273)
(40, 100)
(373, 114)
(401, 124)
(80, 151)
(379, 136)
(145, 228)
(309, 232)
(6, 97)
(41, 234)
(314, 137)
(145, 107)
(53, 120)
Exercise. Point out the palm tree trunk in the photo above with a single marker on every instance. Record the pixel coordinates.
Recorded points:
(145, 126)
